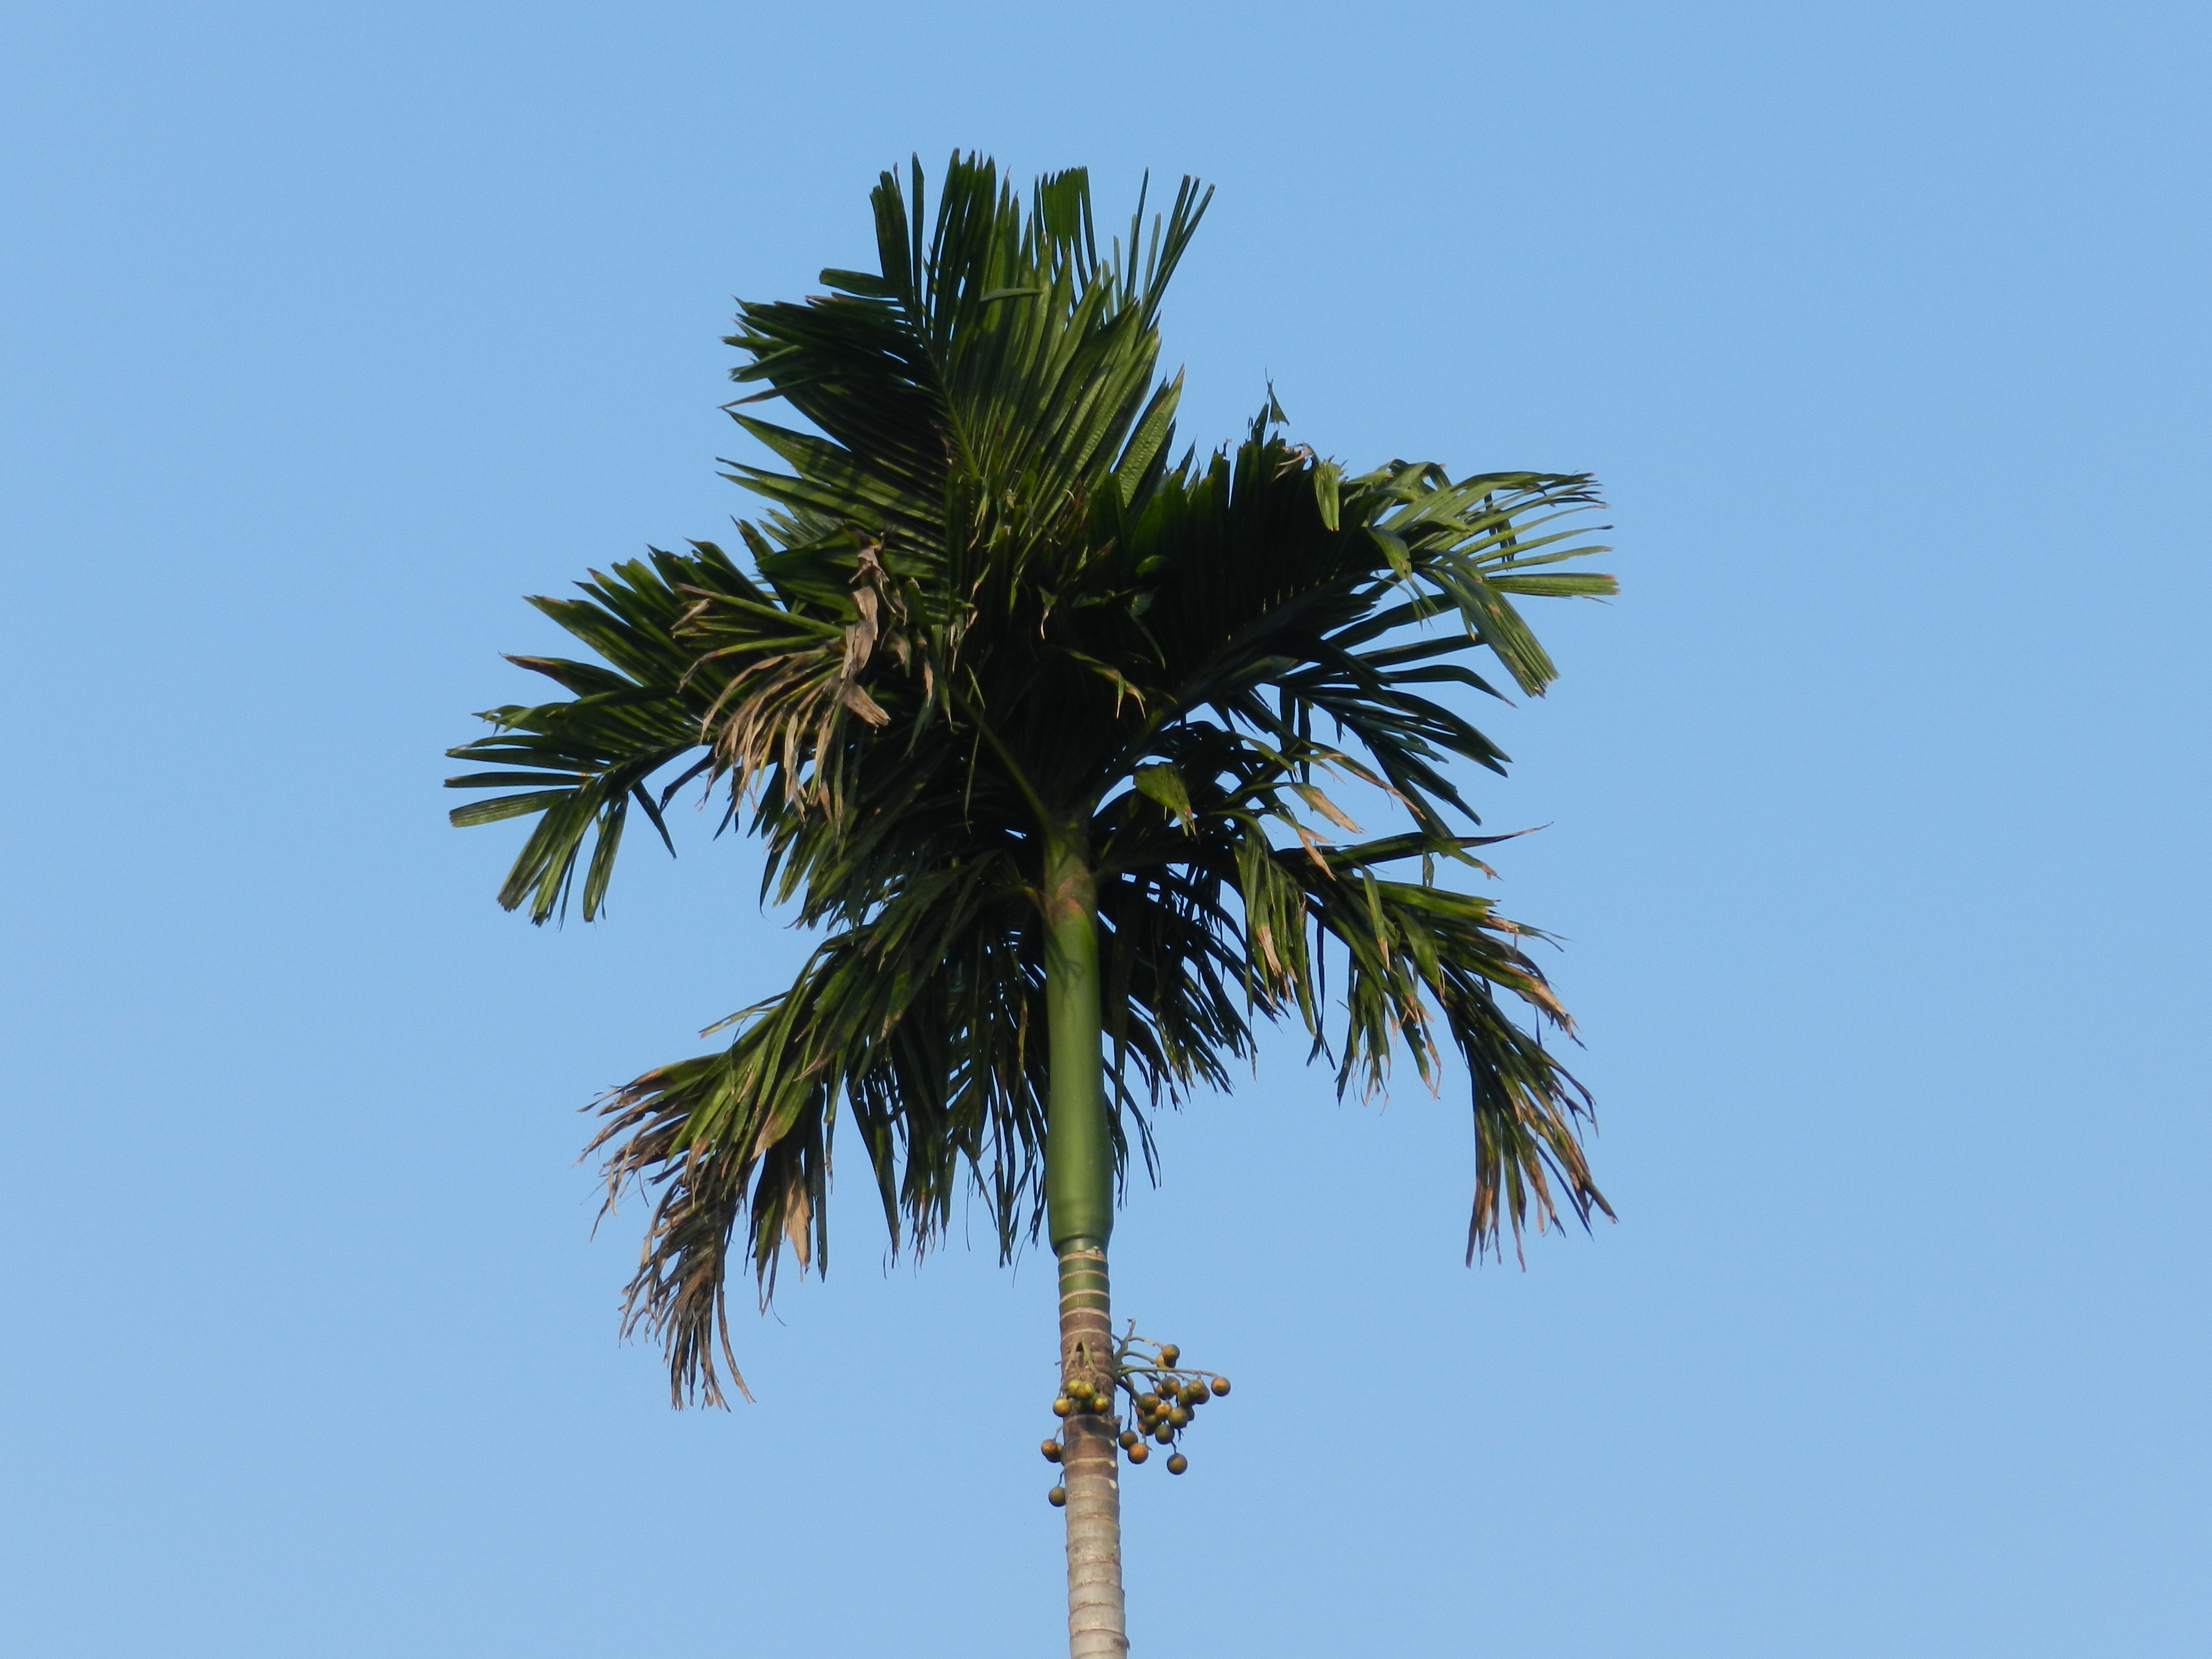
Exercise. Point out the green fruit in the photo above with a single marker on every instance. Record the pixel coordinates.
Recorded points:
(1062, 1406)
(1139, 1452)
(1051, 1450)
(1148, 1403)
(1170, 1353)
(1130, 1439)
(1165, 1437)
(1178, 1463)
(1057, 1498)
(1220, 1385)
(1179, 1416)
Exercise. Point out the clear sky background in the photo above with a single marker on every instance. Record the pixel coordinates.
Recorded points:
(1877, 810)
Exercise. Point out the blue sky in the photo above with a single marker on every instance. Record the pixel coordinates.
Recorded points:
(1875, 812)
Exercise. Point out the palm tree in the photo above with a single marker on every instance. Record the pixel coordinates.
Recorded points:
(1034, 721)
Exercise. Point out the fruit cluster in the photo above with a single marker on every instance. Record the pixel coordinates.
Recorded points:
(1164, 1398)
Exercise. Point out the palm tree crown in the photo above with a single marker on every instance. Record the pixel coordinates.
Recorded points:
(994, 649)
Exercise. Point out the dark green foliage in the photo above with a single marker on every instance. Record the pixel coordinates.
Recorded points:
(987, 607)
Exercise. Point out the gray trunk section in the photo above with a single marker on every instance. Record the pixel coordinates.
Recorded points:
(1097, 1628)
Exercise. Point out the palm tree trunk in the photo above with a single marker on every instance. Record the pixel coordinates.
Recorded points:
(1080, 1204)
(1096, 1626)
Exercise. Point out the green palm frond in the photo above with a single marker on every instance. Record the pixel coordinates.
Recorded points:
(580, 764)
(988, 611)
